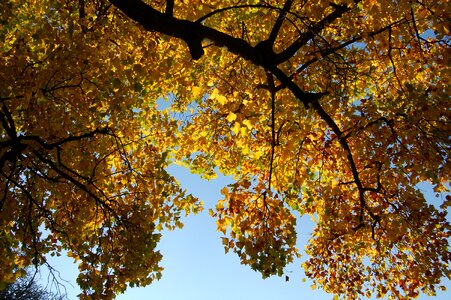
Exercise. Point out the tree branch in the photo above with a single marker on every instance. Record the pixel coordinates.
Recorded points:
(49, 146)
(81, 9)
(78, 184)
(8, 122)
(316, 28)
(276, 28)
(305, 97)
(344, 144)
(220, 10)
(326, 52)
(265, 48)
(272, 90)
(169, 8)
(153, 20)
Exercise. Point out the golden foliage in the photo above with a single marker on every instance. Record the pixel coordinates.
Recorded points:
(332, 109)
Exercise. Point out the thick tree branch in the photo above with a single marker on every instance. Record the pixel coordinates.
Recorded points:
(8, 122)
(169, 8)
(265, 48)
(82, 15)
(15, 146)
(305, 97)
(191, 32)
(153, 20)
(81, 9)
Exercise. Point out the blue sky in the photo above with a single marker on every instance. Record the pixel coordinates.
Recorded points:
(196, 267)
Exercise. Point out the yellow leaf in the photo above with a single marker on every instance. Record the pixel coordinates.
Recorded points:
(221, 99)
(236, 128)
(231, 117)
(248, 123)
(197, 91)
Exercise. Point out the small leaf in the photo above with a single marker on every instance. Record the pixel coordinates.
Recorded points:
(231, 117)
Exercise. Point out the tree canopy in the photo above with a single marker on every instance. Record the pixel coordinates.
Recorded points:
(333, 109)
